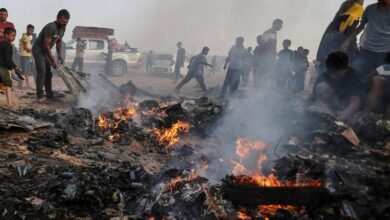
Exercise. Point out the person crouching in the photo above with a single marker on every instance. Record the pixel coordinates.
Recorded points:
(339, 87)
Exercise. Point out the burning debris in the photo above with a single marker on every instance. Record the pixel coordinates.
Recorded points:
(133, 162)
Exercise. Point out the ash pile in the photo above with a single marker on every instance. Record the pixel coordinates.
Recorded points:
(172, 158)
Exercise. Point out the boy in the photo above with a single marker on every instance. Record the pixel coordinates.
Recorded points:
(26, 55)
(7, 64)
(339, 87)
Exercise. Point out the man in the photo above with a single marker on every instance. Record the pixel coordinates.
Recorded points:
(247, 67)
(378, 85)
(7, 64)
(284, 65)
(375, 41)
(269, 53)
(4, 23)
(180, 59)
(149, 61)
(257, 58)
(110, 52)
(301, 65)
(235, 60)
(25, 55)
(196, 70)
(50, 35)
(339, 87)
(343, 24)
(79, 59)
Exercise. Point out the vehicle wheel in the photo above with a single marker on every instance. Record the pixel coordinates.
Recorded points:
(119, 68)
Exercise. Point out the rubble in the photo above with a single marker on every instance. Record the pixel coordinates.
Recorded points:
(84, 168)
(12, 119)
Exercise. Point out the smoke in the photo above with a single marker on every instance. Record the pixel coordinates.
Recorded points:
(99, 95)
(158, 25)
(217, 23)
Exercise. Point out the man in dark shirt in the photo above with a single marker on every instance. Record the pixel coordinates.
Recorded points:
(301, 64)
(180, 59)
(7, 64)
(50, 35)
(378, 85)
(196, 70)
(339, 87)
(284, 64)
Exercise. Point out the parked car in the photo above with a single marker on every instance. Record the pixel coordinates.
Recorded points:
(163, 63)
(95, 56)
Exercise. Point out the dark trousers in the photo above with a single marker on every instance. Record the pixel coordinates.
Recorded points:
(366, 61)
(177, 71)
(299, 81)
(44, 75)
(232, 81)
(78, 62)
(190, 75)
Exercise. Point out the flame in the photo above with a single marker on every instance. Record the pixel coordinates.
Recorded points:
(119, 115)
(243, 216)
(102, 122)
(170, 136)
(173, 182)
(114, 137)
(244, 148)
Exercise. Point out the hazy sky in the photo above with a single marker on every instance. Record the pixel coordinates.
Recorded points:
(159, 24)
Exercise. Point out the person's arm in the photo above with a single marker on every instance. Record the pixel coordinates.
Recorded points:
(351, 109)
(206, 64)
(355, 33)
(8, 57)
(46, 45)
(59, 50)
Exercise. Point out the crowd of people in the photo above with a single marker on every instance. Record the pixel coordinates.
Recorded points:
(350, 77)
(33, 50)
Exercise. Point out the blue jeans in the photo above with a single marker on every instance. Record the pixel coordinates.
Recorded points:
(366, 61)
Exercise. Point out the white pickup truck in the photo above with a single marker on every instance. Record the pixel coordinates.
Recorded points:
(95, 56)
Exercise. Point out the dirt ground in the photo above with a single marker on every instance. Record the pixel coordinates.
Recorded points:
(158, 84)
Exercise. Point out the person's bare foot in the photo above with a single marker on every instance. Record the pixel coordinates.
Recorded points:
(11, 105)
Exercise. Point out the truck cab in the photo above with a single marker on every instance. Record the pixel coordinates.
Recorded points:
(96, 52)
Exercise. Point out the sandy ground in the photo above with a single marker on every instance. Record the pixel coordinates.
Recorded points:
(158, 84)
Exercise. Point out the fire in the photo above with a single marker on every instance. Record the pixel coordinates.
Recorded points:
(170, 136)
(105, 122)
(192, 175)
(243, 216)
(114, 137)
(244, 148)
(102, 122)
